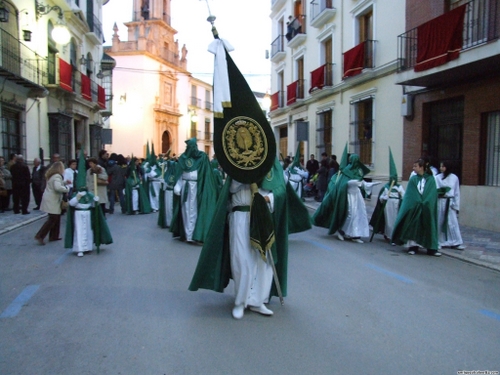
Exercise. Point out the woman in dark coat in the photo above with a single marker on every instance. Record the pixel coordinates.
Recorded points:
(322, 183)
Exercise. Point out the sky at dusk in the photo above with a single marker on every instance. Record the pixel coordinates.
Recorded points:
(245, 24)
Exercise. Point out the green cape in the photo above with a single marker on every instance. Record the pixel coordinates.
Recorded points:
(207, 192)
(104, 233)
(332, 212)
(213, 270)
(417, 217)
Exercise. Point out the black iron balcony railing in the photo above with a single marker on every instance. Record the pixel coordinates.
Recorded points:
(278, 45)
(18, 61)
(295, 27)
(195, 102)
(321, 77)
(480, 27)
(277, 100)
(319, 6)
(95, 26)
(208, 106)
(208, 136)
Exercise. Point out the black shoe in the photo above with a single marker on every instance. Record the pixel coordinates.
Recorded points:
(16, 212)
(26, 212)
(36, 208)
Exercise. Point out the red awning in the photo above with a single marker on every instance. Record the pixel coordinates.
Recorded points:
(440, 39)
(101, 97)
(86, 94)
(275, 101)
(318, 78)
(354, 60)
(291, 93)
(65, 75)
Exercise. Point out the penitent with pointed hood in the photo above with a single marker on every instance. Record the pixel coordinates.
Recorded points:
(85, 225)
(249, 230)
(388, 202)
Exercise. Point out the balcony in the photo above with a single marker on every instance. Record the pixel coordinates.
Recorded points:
(277, 100)
(95, 27)
(321, 77)
(296, 31)
(478, 54)
(78, 85)
(21, 65)
(208, 106)
(321, 11)
(358, 58)
(195, 102)
(295, 91)
(278, 49)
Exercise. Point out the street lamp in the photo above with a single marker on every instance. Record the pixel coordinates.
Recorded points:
(60, 32)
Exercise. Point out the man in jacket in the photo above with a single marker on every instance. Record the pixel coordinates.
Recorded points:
(21, 178)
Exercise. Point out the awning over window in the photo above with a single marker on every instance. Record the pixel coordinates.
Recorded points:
(318, 78)
(354, 60)
(440, 39)
(65, 75)
(86, 94)
(291, 93)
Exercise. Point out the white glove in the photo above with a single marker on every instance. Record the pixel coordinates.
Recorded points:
(96, 199)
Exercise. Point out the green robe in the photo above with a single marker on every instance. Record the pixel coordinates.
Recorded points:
(206, 196)
(213, 270)
(418, 217)
(169, 178)
(144, 204)
(332, 212)
(97, 219)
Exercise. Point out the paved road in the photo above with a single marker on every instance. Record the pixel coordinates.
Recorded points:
(352, 309)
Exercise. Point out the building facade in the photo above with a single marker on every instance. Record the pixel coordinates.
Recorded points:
(334, 64)
(56, 87)
(157, 100)
(449, 58)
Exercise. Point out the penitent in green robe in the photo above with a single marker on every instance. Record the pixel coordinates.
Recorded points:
(418, 217)
(213, 270)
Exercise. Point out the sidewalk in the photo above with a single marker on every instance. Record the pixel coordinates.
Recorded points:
(482, 246)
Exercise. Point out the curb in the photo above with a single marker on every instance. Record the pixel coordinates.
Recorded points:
(476, 262)
(19, 225)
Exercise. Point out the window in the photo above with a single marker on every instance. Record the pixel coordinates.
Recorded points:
(13, 137)
(194, 96)
(361, 131)
(327, 52)
(324, 133)
(208, 134)
(283, 142)
(193, 129)
(60, 135)
(208, 101)
(300, 77)
(365, 34)
(492, 170)
(445, 127)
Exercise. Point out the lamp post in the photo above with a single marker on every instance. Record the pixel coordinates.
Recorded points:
(60, 33)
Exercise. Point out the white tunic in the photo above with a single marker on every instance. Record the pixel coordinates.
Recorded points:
(252, 276)
(452, 236)
(155, 184)
(391, 207)
(168, 200)
(295, 178)
(83, 236)
(356, 223)
(186, 186)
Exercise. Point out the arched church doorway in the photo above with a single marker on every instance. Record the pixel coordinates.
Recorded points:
(166, 142)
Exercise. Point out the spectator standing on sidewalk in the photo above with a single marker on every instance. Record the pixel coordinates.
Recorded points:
(51, 203)
(116, 185)
(21, 179)
(312, 167)
(7, 185)
(37, 182)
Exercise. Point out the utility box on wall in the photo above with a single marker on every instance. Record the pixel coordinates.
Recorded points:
(406, 105)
